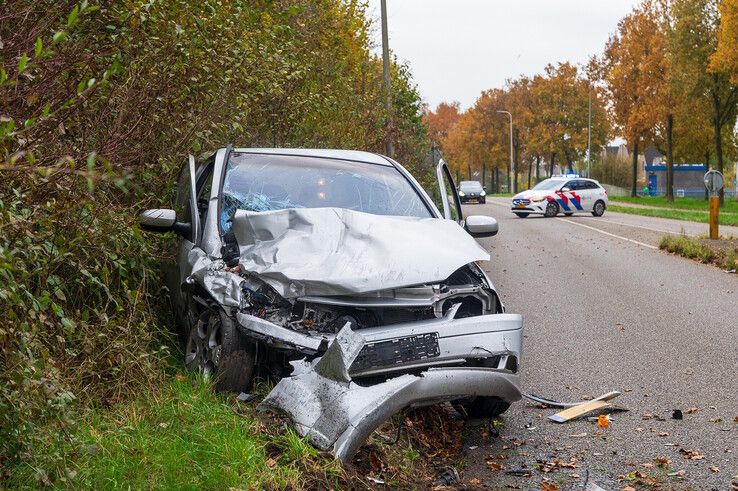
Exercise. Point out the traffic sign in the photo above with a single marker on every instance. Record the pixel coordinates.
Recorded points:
(714, 181)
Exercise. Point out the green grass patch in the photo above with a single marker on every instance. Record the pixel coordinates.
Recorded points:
(182, 436)
(722, 253)
(731, 205)
(725, 218)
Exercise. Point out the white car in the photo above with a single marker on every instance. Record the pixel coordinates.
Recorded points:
(561, 194)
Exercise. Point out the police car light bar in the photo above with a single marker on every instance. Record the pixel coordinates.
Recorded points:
(570, 176)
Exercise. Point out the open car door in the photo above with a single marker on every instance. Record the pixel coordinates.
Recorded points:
(449, 195)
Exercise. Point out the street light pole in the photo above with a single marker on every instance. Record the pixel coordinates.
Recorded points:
(512, 160)
(589, 133)
(390, 147)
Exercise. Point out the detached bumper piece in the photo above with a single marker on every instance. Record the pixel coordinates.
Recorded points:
(335, 413)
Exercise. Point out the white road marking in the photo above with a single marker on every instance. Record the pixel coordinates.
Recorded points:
(682, 232)
(608, 233)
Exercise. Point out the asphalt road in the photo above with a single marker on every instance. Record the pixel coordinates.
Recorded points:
(604, 310)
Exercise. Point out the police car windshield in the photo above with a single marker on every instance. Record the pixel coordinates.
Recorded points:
(548, 185)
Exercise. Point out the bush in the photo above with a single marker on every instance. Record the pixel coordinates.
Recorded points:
(100, 102)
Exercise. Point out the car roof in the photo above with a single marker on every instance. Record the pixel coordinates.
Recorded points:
(330, 153)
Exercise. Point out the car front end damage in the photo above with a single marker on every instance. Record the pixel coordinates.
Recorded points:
(358, 353)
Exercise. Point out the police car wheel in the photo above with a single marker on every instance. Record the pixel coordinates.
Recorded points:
(568, 214)
(599, 209)
(552, 209)
(522, 215)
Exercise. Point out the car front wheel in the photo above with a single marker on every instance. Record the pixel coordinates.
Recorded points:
(215, 348)
(485, 407)
(599, 209)
(522, 215)
(552, 209)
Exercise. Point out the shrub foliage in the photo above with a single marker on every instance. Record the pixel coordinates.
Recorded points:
(99, 104)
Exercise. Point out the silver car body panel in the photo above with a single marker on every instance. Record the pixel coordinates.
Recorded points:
(335, 251)
(335, 413)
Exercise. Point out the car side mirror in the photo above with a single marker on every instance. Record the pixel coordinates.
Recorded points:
(564, 190)
(162, 220)
(481, 226)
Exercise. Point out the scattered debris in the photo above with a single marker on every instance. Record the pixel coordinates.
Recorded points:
(551, 403)
(680, 474)
(578, 435)
(449, 476)
(579, 411)
(677, 414)
(691, 410)
(244, 397)
(519, 473)
(375, 480)
(603, 421)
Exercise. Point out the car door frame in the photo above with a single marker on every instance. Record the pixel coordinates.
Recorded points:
(442, 171)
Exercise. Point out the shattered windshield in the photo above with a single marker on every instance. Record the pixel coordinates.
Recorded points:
(259, 182)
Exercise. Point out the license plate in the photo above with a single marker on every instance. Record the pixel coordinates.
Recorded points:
(520, 205)
(472, 201)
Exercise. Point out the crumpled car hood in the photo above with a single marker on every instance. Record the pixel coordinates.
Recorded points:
(335, 251)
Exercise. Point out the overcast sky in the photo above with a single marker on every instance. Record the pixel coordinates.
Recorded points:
(457, 48)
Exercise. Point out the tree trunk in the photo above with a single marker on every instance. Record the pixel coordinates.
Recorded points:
(484, 173)
(468, 169)
(538, 168)
(634, 181)
(669, 158)
(717, 126)
(530, 171)
(707, 166)
(496, 177)
(551, 165)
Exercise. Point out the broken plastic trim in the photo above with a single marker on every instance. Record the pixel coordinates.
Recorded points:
(335, 413)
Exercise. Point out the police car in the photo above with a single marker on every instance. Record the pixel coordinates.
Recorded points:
(568, 194)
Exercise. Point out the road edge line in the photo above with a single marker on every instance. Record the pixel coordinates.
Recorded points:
(608, 233)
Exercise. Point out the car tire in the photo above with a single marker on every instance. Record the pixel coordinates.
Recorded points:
(485, 407)
(568, 214)
(599, 208)
(522, 215)
(216, 349)
(552, 209)
(483, 201)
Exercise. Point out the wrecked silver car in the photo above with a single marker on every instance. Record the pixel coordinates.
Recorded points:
(335, 273)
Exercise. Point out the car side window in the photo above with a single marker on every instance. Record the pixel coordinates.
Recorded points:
(572, 185)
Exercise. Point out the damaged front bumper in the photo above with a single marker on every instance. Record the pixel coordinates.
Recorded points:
(366, 376)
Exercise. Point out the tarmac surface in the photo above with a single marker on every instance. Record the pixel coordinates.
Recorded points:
(604, 310)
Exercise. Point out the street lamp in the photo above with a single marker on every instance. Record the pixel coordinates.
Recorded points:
(512, 161)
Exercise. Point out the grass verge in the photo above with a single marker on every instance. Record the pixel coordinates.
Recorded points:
(723, 253)
(183, 436)
(725, 218)
(697, 204)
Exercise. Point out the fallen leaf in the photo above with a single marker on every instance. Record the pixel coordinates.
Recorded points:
(628, 488)
(513, 486)
(494, 465)
(714, 468)
(691, 410)
(271, 462)
(691, 454)
(639, 429)
(549, 486)
(663, 433)
(603, 421)
(662, 461)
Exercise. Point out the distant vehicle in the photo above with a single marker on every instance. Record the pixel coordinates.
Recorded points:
(567, 194)
(472, 192)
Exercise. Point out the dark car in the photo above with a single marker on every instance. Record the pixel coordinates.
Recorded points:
(291, 256)
(472, 192)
